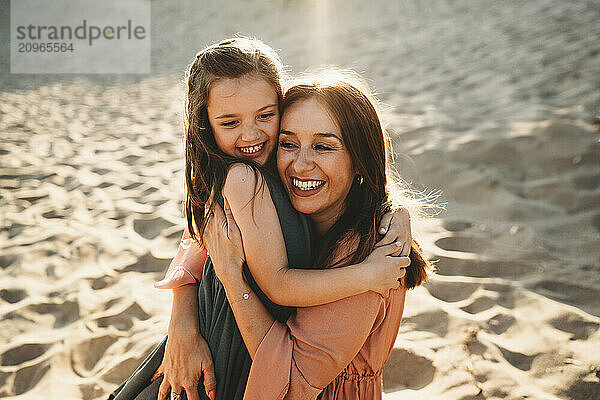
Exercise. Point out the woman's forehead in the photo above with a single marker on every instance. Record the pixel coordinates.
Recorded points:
(309, 116)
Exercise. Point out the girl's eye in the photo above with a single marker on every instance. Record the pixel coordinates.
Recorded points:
(287, 145)
(229, 123)
(266, 115)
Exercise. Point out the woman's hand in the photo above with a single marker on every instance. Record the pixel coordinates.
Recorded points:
(187, 357)
(385, 269)
(223, 240)
(396, 227)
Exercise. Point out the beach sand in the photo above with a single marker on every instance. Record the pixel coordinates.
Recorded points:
(491, 103)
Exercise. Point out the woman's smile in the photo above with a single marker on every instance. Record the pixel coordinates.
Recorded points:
(306, 187)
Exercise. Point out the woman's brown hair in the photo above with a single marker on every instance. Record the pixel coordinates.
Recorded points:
(353, 109)
(205, 164)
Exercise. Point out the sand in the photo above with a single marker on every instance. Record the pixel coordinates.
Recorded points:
(492, 103)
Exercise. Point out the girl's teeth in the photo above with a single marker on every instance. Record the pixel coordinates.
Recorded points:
(306, 185)
(253, 149)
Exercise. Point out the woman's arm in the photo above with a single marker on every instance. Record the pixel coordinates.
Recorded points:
(300, 358)
(187, 356)
(264, 247)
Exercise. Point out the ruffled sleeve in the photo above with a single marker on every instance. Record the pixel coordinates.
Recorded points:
(297, 359)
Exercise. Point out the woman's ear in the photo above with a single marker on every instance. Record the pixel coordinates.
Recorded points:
(359, 178)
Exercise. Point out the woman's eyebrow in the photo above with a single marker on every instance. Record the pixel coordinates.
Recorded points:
(289, 133)
(328, 135)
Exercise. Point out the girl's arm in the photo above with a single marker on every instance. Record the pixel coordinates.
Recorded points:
(265, 252)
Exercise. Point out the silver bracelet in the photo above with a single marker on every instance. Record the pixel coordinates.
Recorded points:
(245, 296)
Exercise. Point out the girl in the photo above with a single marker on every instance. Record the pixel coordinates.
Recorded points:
(232, 125)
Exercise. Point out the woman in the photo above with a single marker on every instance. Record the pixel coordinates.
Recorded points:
(330, 133)
(234, 93)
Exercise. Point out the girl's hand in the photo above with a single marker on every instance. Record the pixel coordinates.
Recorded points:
(187, 357)
(384, 269)
(223, 240)
(396, 227)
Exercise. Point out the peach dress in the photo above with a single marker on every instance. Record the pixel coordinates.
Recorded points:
(338, 348)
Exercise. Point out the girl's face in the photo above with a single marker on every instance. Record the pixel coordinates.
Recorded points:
(314, 165)
(244, 116)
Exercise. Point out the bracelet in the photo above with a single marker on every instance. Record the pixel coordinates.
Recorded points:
(245, 296)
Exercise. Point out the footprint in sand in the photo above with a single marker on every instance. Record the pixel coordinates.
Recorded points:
(8, 259)
(451, 292)
(101, 282)
(456, 225)
(516, 359)
(123, 320)
(484, 268)
(500, 323)
(23, 353)
(430, 321)
(86, 354)
(480, 304)
(12, 295)
(146, 263)
(27, 377)
(151, 228)
(587, 298)
(462, 243)
(407, 370)
(586, 181)
(572, 323)
(64, 312)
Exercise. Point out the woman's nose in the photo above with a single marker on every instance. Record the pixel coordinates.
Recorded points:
(303, 161)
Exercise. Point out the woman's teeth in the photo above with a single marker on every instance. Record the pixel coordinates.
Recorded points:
(306, 185)
(252, 149)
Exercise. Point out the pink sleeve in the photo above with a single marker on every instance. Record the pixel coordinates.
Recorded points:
(296, 360)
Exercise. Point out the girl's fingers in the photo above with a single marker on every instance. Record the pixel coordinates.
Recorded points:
(406, 249)
(384, 224)
(390, 249)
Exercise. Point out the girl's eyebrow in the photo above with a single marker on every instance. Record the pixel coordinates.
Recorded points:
(235, 115)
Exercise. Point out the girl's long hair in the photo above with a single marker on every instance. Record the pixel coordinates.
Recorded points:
(205, 164)
(352, 106)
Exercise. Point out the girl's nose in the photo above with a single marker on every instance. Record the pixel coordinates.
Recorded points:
(250, 133)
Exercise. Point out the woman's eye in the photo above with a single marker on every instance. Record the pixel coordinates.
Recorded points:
(266, 115)
(287, 145)
(322, 147)
(229, 123)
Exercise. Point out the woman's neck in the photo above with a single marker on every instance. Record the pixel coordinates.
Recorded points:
(324, 220)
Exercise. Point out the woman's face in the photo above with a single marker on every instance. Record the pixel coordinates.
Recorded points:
(244, 116)
(313, 162)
